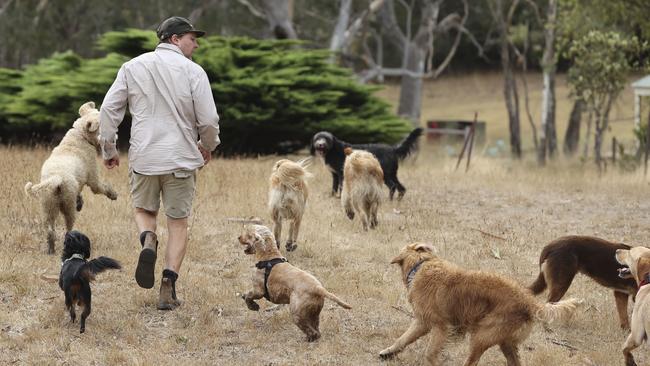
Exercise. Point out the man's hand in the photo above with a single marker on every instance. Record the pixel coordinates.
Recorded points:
(206, 155)
(112, 162)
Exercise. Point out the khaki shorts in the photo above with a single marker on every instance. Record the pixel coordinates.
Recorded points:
(177, 190)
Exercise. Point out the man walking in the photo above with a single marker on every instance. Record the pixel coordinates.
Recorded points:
(175, 127)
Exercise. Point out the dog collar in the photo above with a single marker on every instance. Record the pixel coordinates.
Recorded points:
(645, 281)
(74, 256)
(267, 266)
(412, 272)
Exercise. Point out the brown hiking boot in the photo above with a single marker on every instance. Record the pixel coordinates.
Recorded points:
(167, 299)
(144, 272)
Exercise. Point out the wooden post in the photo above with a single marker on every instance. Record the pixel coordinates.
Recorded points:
(462, 152)
(471, 141)
(647, 149)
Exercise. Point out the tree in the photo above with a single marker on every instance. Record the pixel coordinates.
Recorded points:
(503, 21)
(417, 49)
(548, 139)
(601, 62)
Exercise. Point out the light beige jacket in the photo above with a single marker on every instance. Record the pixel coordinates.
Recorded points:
(171, 105)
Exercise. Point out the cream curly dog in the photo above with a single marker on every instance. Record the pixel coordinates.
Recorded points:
(287, 198)
(71, 165)
(362, 185)
(281, 283)
(637, 266)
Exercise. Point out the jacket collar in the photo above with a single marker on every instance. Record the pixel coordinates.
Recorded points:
(169, 47)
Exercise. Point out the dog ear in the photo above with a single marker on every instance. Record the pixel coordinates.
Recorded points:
(348, 150)
(312, 149)
(622, 256)
(642, 267)
(91, 126)
(422, 247)
(85, 108)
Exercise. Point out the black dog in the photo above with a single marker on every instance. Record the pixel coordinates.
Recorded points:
(330, 148)
(76, 273)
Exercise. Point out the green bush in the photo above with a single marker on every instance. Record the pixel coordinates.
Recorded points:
(272, 96)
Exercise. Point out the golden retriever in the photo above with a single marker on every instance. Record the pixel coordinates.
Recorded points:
(282, 283)
(362, 186)
(637, 260)
(287, 198)
(491, 308)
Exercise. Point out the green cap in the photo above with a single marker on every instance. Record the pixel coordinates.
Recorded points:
(178, 26)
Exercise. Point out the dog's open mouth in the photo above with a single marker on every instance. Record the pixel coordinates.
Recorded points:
(624, 272)
(321, 151)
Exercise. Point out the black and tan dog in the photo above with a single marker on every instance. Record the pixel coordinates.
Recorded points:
(325, 145)
(77, 273)
(561, 259)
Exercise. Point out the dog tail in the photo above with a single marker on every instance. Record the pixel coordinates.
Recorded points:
(101, 264)
(334, 298)
(51, 183)
(95, 266)
(539, 285)
(553, 311)
(409, 145)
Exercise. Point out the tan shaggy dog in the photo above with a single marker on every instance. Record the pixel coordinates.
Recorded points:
(362, 184)
(637, 260)
(281, 283)
(492, 309)
(71, 165)
(287, 197)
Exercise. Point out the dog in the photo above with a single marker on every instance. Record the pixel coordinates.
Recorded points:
(637, 267)
(287, 198)
(362, 186)
(561, 259)
(491, 308)
(70, 167)
(77, 273)
(282, 283)
(331, 149)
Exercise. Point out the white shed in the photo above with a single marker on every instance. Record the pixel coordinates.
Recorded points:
(641, 89)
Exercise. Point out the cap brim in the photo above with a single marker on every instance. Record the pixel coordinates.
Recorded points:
(198, 33)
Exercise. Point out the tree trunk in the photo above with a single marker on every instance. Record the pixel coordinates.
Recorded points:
(341, 26)
(410, 97)
(548, 135)
(279, 14)
(572, 135)
(602, 122)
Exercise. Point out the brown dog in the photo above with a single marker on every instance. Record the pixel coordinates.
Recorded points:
(561, 259)
(287, 198)
(444, 297)
(362, 186)
(281, 283)
(637, 261)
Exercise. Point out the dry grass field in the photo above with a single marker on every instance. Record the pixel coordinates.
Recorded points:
(496, 217)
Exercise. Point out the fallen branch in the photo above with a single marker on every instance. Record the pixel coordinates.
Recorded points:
(562, 343)
(398, 308)
(250, 220)
(489, 234)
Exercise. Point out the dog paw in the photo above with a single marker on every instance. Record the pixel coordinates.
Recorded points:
(386, 354)
(111, 194)
(290, 246)
(252, 305)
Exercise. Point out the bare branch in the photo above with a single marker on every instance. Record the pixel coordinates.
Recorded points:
(341, 25)
(359, 23)
(389, 24)
(252, 9)
(454, 47)
(538, 17)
